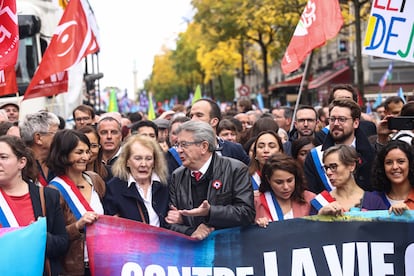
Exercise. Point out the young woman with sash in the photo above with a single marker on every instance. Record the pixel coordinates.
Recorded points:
(393, 176)
(22, 202)
(266, 144)
(81, 194)
(282, 191)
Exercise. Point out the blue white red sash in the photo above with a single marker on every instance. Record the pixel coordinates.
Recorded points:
(321, 200)
(317, 157)
(273, 206)
(176, 156)
(7, 218)
(256, 181)
(73, 197)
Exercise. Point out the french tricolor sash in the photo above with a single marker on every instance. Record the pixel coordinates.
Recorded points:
(73, 197)
(321, 200)
(7, 218)
(317, 157)
(256, 181)
(176, 156)
(273, 206)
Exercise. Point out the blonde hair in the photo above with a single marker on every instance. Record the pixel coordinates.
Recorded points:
(120, 169)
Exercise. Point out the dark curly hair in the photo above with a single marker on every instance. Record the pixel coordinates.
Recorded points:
(281, 161)
(63, 143)
(379, 179)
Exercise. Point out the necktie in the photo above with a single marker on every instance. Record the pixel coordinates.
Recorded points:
(197, 175)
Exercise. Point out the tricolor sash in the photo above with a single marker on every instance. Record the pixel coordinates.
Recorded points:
(273, 206)
(317, 157)
(7, 218)
(73, 197)
(321, 200)
(176, 156)
(256, 181)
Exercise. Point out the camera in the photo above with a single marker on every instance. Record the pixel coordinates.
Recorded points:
(401, 123)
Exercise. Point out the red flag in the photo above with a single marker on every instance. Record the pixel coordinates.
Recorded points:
(321, 20)
(9, 33)
(74, 39)
(8, 83)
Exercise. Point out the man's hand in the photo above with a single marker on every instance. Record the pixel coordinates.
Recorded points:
(383, 132)
(202, 232)
(201, 211)
(174, 216)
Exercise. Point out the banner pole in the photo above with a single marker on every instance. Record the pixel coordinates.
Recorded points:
(302, 82)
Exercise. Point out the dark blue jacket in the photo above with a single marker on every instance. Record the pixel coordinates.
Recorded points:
(233, 150)
(122, 200)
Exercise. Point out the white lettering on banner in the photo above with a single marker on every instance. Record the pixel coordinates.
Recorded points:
(2, 77)
(378, 250)
(409, 257)
(360, 256)
(302, 262)
(4, 33)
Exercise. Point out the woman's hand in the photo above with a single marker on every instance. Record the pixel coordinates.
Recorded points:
(87, 219)
(398, 208)
(263, 222)
(331, 209)
(174, 216)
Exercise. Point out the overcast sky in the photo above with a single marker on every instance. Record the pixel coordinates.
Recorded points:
(133, 32)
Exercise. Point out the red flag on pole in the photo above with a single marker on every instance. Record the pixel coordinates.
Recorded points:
(9, 46)
(321, 20)
(76, 37)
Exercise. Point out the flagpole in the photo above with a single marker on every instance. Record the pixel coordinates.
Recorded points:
(302, 83)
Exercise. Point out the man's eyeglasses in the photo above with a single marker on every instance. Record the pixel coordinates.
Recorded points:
(95, 146)
(80, 119)
(340, 119)
(301, 121)
(333, 167)
(185, 144)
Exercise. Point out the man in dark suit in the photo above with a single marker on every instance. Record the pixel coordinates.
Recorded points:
(207, 110)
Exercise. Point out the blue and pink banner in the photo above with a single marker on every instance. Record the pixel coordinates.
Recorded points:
(354, 245)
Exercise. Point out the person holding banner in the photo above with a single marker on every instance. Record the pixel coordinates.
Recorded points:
(208, 191)
(81, 194)
(393, 176)
(282, 191)
(22, 202)
(139, 189)
(340, 163)
(266, 144)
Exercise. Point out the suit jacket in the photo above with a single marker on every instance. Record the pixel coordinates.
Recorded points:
(233, 150)
(122, 200)
(229, 193)
(57, 240)
(363, 172)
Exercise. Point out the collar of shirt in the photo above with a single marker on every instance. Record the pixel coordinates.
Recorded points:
(154, 177)
(204, 168)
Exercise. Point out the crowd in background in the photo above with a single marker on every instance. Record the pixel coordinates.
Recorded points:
(199, 168)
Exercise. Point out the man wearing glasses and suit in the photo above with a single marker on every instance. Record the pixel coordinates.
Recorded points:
(208, 191)
(344, 119)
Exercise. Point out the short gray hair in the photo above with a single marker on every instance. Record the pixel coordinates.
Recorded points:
(201, 132)
(35, 123)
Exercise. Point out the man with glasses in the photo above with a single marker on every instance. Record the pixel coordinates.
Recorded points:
(344, 120)
(209, 191)
(83, 115)
(305, 125)
(37, 131)
(109, 131)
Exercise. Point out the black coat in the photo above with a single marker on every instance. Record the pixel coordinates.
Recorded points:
(57, 241)
(122, 200)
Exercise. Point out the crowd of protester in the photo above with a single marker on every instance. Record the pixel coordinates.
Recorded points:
(197, 169)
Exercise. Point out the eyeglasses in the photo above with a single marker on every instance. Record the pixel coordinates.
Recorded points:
(333, 167)
(79, 119)
(94, 146)
(106, 132)
(185, 144)
(340, 119)
(301, 121)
